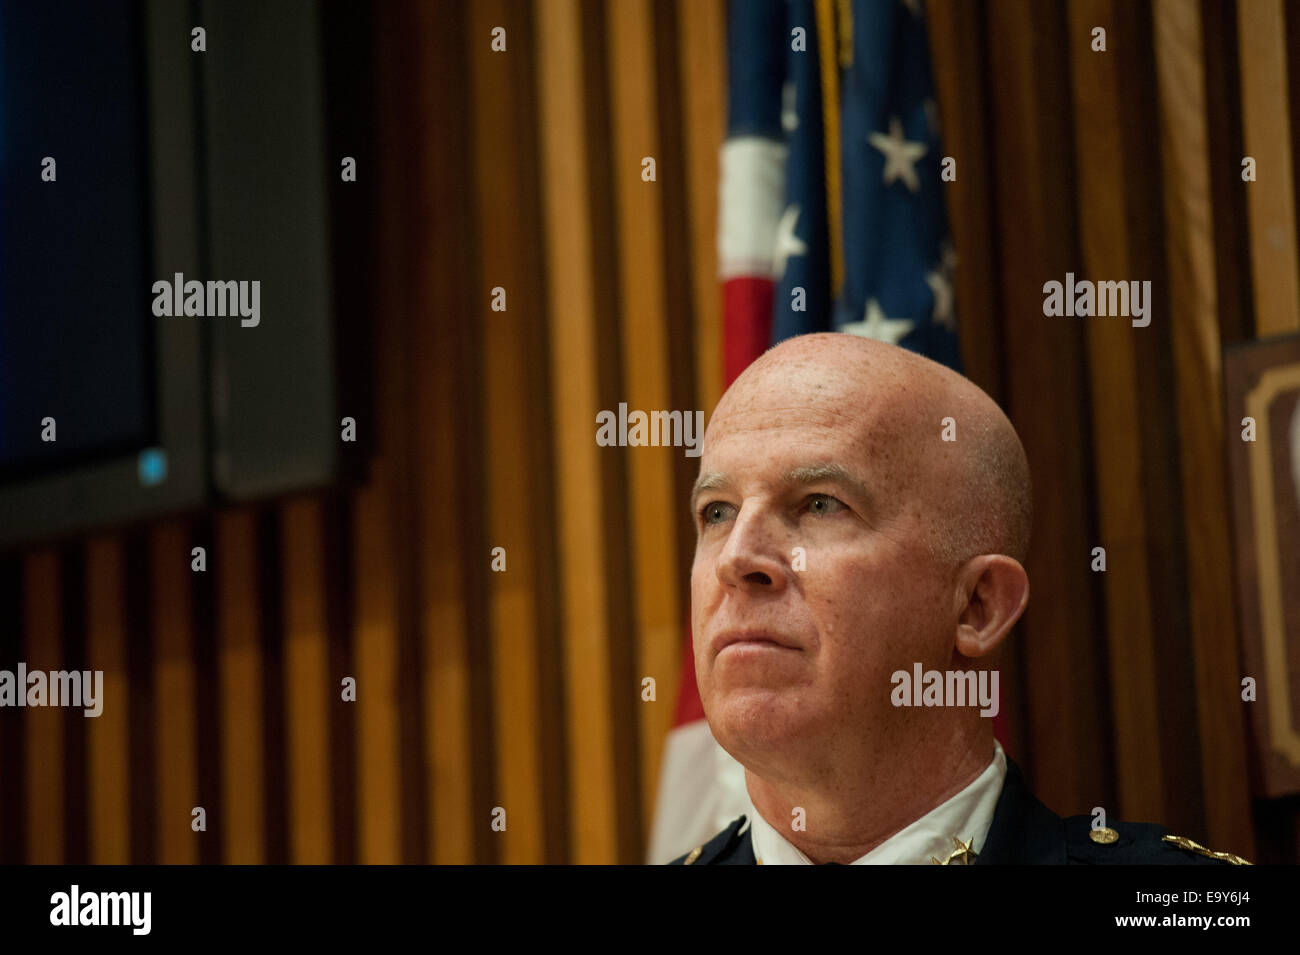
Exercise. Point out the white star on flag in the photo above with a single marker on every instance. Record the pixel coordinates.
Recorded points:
(787, 243)
(942, 290)
(900, 154)
(877, 326)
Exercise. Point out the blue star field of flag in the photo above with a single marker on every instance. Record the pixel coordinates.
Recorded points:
(898, 260)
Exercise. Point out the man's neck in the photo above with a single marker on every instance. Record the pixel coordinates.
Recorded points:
(851, 815)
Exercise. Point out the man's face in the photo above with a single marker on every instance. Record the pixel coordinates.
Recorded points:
(811, 536)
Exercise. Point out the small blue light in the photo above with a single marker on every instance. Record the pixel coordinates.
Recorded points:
(153, 466)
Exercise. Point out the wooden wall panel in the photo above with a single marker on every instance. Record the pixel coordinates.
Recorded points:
(957, 56)
(644, 335)
(380, 524)
(703, 37)
(1266, 127)
(309, 686)
(1101, 82)
(339, 559)
(445, 361)
(174, 700)
(13, 795)
(239, 637)
(44, 726)
(1194, 306)
(574, 401)
(504, 251)
(959, 60)
(1064, 677)
(378, 797)
(106, 736)
(73, 626)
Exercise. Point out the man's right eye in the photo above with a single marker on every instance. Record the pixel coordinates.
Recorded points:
(714, 511)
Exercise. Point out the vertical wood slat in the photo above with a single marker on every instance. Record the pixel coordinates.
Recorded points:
(44, 725)
(644, 329)
(339, 559)
(206, 657)
(1217, 59)
(450, 753)
(142, 747)
(1099, 86)
(459, 736)
(958, 57)
(959, 71)
(703, 68)
(1266, 129)
(1194, 301)
(412, 347)
(503, 252)
(704, 72)
(13, 796)
(239, 640)
(310, 689)
(174, 707)
(1063, 676)
(106, 736)
(375, 657)
(375, 637)
(76, 759)
(274, 756)
(574, 399)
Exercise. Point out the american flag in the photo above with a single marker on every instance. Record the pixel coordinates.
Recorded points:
(831, 218)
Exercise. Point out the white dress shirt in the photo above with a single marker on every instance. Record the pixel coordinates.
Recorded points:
(967, 815)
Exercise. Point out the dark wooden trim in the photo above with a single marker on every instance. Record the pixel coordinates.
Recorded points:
(1066, 668)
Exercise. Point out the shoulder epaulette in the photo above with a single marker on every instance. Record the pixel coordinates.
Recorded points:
(1136, 843)
(717, 846)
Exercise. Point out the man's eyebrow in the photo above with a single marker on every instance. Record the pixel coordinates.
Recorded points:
(837, 473)
(708, 481)
(807, 474)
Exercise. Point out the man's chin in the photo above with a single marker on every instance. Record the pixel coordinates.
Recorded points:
(754, 720)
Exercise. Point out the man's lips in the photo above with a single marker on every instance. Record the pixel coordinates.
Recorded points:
(756, 638)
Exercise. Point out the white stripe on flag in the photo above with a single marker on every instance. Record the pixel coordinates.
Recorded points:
(751, 200)
(701, 792)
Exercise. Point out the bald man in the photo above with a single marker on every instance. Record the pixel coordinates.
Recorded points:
(863, 517)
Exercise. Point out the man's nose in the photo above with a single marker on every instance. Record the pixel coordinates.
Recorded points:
(752, 558)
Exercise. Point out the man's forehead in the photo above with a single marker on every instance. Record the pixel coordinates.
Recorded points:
(785, 414)
(789, 445)
(832, 428)
(762, 417)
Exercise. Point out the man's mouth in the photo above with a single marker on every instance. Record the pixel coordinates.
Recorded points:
(756, 639)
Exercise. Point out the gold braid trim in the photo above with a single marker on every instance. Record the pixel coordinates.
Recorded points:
(1183, 842)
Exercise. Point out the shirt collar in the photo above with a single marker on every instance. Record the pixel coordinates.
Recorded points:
(967, 815)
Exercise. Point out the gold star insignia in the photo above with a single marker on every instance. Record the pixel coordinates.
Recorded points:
(964, 854)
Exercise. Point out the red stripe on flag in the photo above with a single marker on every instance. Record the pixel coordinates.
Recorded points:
(689, 706)
(746, 322)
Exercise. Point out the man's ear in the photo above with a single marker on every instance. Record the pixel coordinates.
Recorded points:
(995, 589)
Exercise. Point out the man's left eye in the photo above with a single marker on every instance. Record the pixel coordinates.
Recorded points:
(823, 504)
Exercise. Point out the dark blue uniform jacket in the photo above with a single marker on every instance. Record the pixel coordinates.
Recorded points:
(1024, 832)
